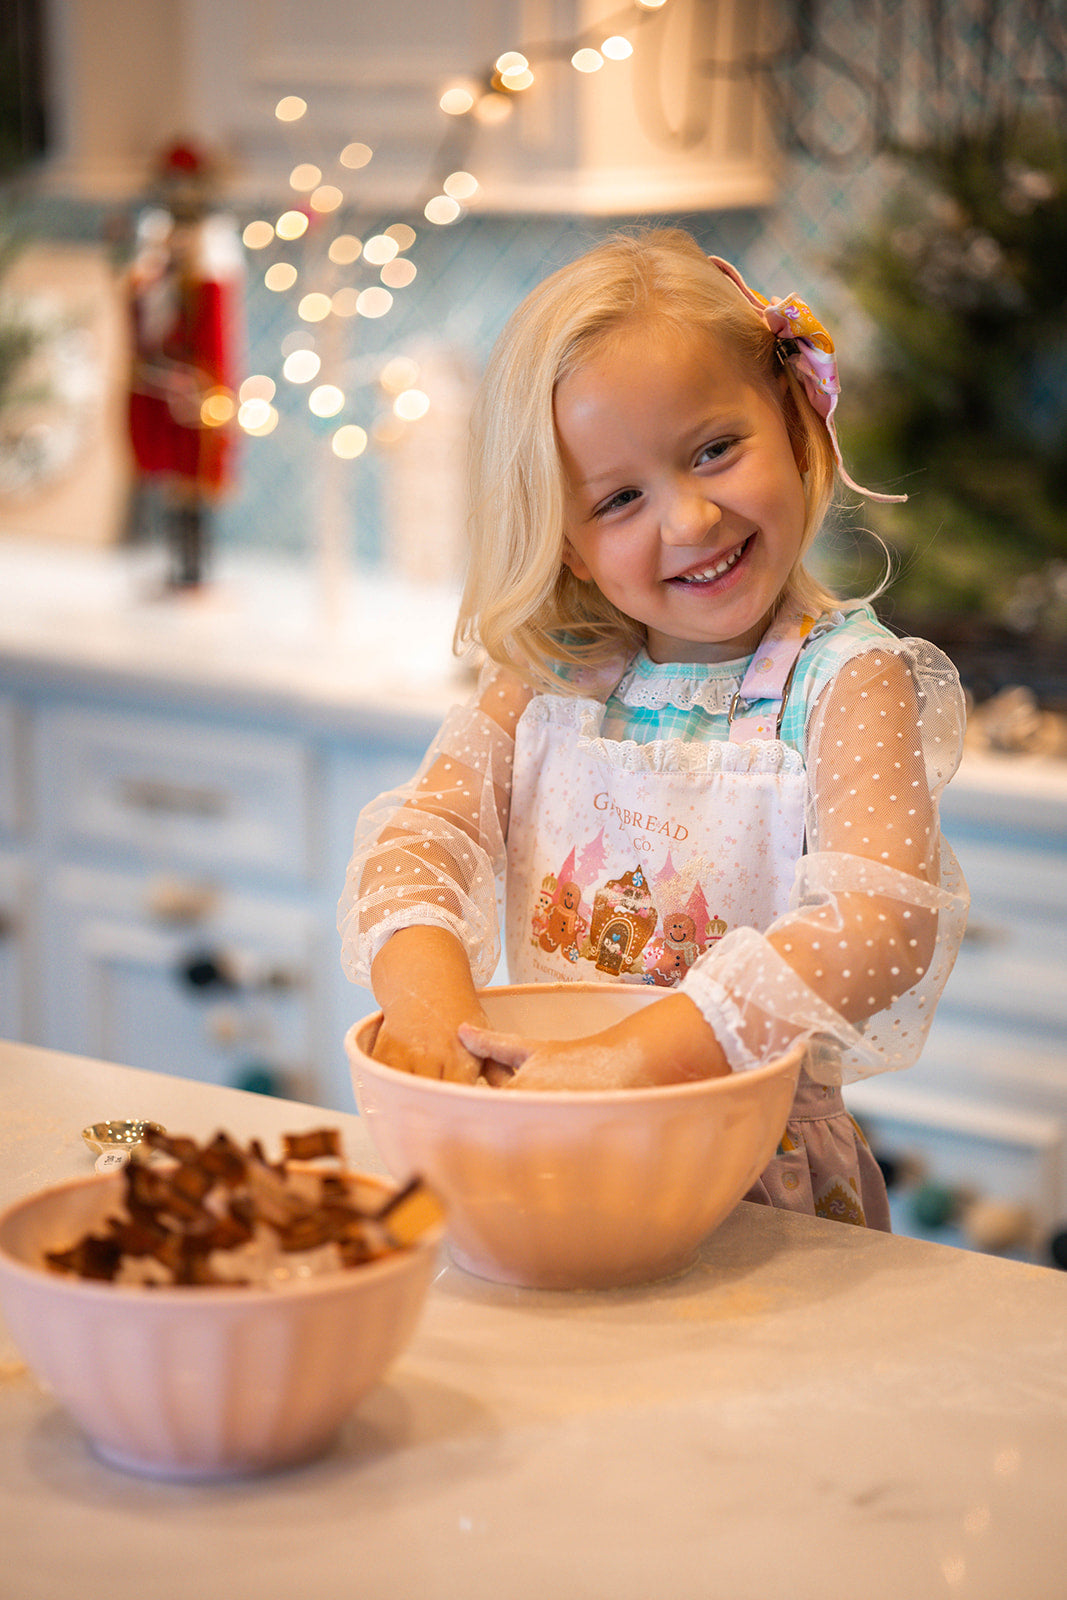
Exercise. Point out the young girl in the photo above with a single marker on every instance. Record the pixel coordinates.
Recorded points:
(695, 767)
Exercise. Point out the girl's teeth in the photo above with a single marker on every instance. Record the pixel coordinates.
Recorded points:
(712, 572)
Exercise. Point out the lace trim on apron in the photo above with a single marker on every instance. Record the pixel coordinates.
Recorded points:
(648, 693)
(583, 718)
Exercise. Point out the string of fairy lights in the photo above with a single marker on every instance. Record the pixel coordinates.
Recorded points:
(326, 297)
(368, 274)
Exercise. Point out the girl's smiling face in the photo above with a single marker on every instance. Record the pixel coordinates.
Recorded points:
(684, 501)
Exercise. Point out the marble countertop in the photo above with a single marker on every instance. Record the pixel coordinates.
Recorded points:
(266, 635)
(813, 1410)
(342, 650)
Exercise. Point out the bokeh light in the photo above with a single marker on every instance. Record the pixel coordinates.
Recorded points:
(258, 235)
(280, 276)
(345, 302)
(291, 225)
(300, 366)
(257, 417)
(327, 197)
(492, 109)
(399, 372)
(457, 100)
(388, 430)
(411, 404)
(460, 185)
(345, 249)
(314, 307)
(379, 249)
(327, 400)
(257, 387)
(349, 442)
(404, 235)
(398, 274)
(217, 408)
(305, 176)
(374, 302)
(442, 209)
(355, 155)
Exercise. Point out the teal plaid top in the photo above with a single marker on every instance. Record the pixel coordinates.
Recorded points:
(691, 700)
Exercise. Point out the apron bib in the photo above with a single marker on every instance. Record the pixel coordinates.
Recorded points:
(627, 861)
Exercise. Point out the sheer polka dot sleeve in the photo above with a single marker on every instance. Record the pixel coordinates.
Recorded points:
(879, 905)
(433, 851)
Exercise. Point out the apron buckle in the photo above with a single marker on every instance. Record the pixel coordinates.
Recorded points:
(744, 708)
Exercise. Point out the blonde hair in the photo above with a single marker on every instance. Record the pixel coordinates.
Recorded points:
(520, 603)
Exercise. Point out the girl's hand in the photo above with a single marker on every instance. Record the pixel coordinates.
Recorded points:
(665, 1042)
(422, 982)
(513, 1062)
(416, 1041)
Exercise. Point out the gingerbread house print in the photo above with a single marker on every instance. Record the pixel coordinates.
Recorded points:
(623, 920)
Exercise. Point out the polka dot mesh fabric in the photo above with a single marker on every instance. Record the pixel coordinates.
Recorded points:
(433, 851)
(878, 906)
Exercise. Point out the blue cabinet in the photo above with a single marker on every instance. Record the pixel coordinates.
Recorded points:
(984, 1112)
(170, 865)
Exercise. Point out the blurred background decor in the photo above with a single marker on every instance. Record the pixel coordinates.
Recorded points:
(964, 274)
(63, 466)
(812, 141)
(185, 293)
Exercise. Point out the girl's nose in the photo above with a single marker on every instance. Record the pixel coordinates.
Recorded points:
(689, 516)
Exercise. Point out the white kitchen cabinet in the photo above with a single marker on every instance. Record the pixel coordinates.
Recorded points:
(17, 949)
(189, 860)
(985, 1109)
(12, 766)
(207, 796)
(173, 842)
(236, 987)
(18, 932)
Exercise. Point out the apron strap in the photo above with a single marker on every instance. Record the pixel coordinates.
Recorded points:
(767, 679)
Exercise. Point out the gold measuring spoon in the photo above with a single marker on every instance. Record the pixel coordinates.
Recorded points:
(115, 1142)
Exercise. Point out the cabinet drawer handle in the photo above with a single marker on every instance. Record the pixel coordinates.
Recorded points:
(236, 971)
(155, 796)
(206, 969)
(178, 901)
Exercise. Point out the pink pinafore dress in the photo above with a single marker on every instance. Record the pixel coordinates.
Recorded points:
(626, 862)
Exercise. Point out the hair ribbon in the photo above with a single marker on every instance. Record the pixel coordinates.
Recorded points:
(805, 346)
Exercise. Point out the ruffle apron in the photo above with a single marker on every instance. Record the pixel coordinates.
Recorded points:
(627, 861)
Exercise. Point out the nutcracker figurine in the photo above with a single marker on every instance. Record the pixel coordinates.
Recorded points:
(185, 296)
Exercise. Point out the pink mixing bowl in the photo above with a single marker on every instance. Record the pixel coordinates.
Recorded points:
(199, 1383)
(586, 1190)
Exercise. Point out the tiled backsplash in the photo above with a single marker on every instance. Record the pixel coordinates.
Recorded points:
(470, 277)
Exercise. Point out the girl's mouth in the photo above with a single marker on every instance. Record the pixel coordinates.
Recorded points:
(715, 569)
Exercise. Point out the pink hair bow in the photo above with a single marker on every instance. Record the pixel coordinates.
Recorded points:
(808, 348)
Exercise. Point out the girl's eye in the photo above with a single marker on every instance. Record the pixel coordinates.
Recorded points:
(617, 502)
(714, 451)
